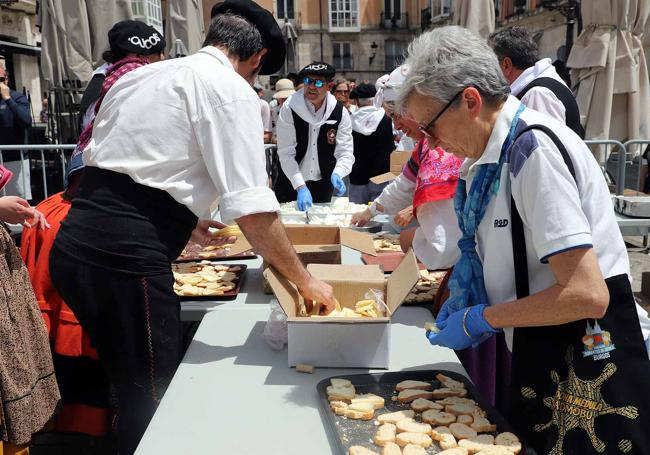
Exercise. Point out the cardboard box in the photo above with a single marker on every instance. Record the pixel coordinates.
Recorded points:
(344, 342)
(397, 162)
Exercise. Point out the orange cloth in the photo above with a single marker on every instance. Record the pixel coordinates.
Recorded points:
(10, 449)
(67, 338)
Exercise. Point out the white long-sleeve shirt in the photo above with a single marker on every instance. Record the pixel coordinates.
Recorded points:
(540, 99)
(191, 127)
(436, 239)
(309, 169)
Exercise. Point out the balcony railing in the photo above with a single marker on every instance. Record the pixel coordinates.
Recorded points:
(394, 21)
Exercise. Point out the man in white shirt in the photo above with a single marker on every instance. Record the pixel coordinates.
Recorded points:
(266, 114)
(535, 82)
(170, 140)
(314, 141)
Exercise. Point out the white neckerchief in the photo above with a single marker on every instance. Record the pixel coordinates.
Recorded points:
(306, 111)
(366, 119)
(529, 75)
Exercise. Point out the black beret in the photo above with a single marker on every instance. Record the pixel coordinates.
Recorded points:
(318, 69)
(267, 26)
(363, 90)
(135, 37)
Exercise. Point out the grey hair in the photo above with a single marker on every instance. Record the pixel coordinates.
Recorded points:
(235, 33)
(446, 60)
(516, 43)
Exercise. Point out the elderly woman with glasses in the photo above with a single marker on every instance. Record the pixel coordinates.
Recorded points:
(542, 258)
(427, 185)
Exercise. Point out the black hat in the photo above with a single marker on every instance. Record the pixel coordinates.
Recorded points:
(135, 37)
(267, 26)
(318, 69)
(363, 90)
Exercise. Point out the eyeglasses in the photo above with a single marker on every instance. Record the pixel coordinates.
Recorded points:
(429, 126)
(318, 83)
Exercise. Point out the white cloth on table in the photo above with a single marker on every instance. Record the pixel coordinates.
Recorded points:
(202, 142)
(309, 168)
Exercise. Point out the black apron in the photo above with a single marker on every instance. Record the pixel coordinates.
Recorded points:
(582, 387)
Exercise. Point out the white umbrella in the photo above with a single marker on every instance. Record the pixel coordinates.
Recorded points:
(102, 15)
(609, 70)
(475, 15)
(66, 50)
(185, 23)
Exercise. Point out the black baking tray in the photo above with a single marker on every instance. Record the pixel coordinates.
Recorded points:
(348, 432)
(230, 295)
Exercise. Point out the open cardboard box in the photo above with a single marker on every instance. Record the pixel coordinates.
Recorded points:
(322, 244)
(344, 342)
(397, 162)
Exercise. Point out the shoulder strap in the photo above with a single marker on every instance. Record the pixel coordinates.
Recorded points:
(520, 261)
(565, 96)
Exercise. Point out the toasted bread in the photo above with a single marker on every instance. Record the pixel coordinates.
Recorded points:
(409, 384)
(385, 433)
(419, 439)
(483, 425)
(406, 396)
(360, 450)
(462, 431)
(394, 417)
(422, 404)
(411, 426)
(434, 417)
(412, 449)
(510, 441)
(478, 443)
(376, 400)
(446, 392)
(391, 449)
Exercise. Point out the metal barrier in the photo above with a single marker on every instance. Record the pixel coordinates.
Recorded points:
(61, 148)
(628, 145)
(620, 170)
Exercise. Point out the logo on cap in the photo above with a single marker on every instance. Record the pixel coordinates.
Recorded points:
(145, 43)
(316, 67)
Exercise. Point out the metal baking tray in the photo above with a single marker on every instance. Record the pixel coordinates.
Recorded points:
(250, 254)
(348, 432)
(633, 206)
(230, 295)
(371, 227)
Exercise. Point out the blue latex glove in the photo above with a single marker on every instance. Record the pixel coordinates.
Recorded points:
(452, 334)
(338, 184)
(304, 199)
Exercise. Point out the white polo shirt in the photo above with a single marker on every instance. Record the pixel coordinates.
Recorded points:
(191, 127)
(557, 215)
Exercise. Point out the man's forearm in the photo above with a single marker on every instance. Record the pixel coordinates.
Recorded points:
(267, 235)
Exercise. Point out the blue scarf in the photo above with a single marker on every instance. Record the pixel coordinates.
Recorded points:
(466, 285)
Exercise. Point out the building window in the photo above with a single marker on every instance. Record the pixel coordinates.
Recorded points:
(440, 8)
(395, 51)
(149, 12)
(344, 15)
(393, 8)
(285, 9)
(342, 56)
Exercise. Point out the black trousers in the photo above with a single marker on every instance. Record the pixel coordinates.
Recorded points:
(321, 190)
(134, 323)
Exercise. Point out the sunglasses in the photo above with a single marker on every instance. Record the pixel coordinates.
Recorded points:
(2, 79)
(425, 129)
(318, 83)
(342, 91)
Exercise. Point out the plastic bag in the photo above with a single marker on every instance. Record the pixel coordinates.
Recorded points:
(378, 297)
(276, 333)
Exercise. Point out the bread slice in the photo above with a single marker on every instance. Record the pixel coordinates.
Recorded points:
(447, 441)
(510, 441)
(360, 450)
(438, 432)
(467, 420)
(454, 451)
(409, 384)
(411, 426)
(394, 417)
(449, 382)
(422, 404)
(495, 450)
(445, 392)
(455, 400)
(483, 425)
(464, 409)
(419, 439)
(360, 411)
(385, 433)
(339, 382)
(340, 393)
(478, 443)
(376, 400)
(462, 431)
(338, 407)
(391, 449)
(406, 396)
(437, 418)
(412, 449)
